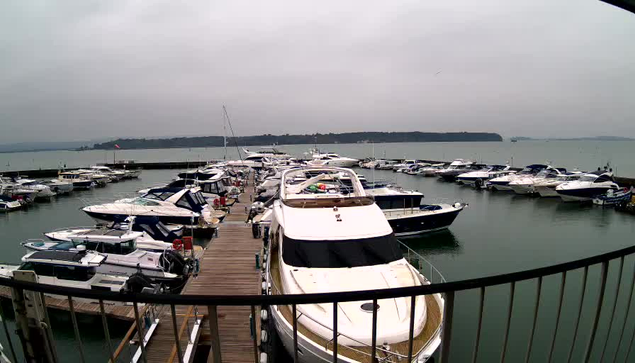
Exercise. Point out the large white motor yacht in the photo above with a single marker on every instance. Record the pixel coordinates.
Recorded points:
(524, 184)
(502, 182)
(480, 177)
(171, 206)
(547, 188)
(333, 159)
(326, 237)
(587, 187)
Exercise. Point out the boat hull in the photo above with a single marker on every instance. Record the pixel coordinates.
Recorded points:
(581, 195)
(406, 223)
(547, 191)
(106, 217)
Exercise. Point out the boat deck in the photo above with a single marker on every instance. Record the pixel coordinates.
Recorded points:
(227, 268)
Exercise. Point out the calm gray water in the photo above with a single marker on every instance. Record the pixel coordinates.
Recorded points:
(584, 155)
(497, 233)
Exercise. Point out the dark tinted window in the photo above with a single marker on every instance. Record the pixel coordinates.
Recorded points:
(74, 273)
(340, 254)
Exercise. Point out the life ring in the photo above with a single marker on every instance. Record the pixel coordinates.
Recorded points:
(177, 244)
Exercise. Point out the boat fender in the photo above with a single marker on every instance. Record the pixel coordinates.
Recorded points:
(263, 315)
(264, 287)
(177, 244)
(263, 336)
(263, 357)
(197, 267)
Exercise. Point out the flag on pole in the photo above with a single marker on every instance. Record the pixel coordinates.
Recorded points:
(117, 146)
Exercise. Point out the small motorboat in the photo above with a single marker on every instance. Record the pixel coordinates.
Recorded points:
(7, 204)
(525, 185)
(77, 269)
(614, 197)
(59, 187)
(80, 180)
(547, 187)
(478, 178)
(502, 183)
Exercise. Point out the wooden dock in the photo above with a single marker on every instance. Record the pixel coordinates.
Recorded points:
(227, 268)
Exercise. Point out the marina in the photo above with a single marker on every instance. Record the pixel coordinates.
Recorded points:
(227, 265)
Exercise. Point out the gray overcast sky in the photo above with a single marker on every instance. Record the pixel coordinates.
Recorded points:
(76, 70)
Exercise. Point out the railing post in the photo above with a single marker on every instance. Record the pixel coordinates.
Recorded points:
(533, 325)
(626, 314)
(255, 337)
(374, 332)
(76, 328)
(560, 299)
(477, 341)
(177, 338)
(510, 310)
(411, 332)
(448, 312)
(142, 345)
(104, 322)
(598, 311)
(617, 295)
(295, 334)
(215, 334)
(577, 323)
(6, 333)
(335, 332)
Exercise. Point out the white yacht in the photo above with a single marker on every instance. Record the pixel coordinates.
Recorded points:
(43, 192)
(405, 165)
(547, 187)
(405, 213)
(7, 204)
(171, 206)
(502, 182)
(326, 237)
(458, 166)
(148, 233)
(431, 170)
(80, 180)
(333, 159)
(114, 175)
(524, 184)
(59, 187)
(480, 177)
(77, 269)
(587, 187)
(268, 152)
(99, 178)
(123, 258)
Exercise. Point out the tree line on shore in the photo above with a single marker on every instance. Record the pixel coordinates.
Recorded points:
(286, 139)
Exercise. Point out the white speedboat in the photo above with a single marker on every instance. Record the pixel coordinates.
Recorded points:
(80, 181)
(184, 206)
(587, 187)
(99, 179)
(123, 258)
(431, 170)
(502, 182)
(524, 184)
(7, 204)
(480, 177)
(546, 188)
(333, 159)
(114, 175)
(325, 237)
(148, 233)
(77, 269)
(43, 192)
(401, 167)
(457, 167)
(59, 187)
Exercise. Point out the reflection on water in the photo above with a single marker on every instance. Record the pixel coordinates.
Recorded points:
(441, 242)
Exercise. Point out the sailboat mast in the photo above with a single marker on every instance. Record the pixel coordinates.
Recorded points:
(224, 133)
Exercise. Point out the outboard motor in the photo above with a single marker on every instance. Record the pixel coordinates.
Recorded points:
(173, 262)
(137, 282)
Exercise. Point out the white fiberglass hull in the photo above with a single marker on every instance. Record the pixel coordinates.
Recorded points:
(312, 352)
(522, 189)
(547, 191)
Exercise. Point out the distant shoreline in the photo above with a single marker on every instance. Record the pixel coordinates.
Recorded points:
(307, 139)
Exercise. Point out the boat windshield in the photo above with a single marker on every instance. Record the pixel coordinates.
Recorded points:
(144, 201)
(341, 253)
(588, 178)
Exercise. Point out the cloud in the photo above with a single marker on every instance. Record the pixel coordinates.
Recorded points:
(86, 69)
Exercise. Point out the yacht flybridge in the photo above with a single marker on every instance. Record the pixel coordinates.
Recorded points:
(327, 236)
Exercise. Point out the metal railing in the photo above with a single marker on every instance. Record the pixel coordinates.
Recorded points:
(616, 328)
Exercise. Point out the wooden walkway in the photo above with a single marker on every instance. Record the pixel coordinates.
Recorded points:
(227, 268)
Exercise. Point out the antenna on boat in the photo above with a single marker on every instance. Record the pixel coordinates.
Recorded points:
(232, 130)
